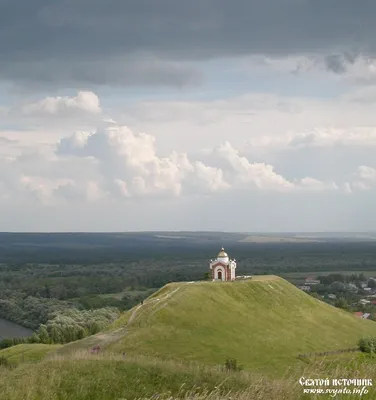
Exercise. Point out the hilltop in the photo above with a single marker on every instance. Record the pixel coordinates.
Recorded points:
(264, 323)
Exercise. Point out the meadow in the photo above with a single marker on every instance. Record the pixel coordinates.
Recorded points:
(84, 376)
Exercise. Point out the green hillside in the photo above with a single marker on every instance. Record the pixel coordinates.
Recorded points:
(28, 352)
(264, 323)
(83, 376)
(178, 340)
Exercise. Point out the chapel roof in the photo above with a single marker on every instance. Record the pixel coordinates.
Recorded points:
(222, 253)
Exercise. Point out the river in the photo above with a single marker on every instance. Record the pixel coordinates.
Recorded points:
(10, 330)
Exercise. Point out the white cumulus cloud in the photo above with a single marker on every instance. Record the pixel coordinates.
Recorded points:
(85, 101)
(129, 165)
(114, 163)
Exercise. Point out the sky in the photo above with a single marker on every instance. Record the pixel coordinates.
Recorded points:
(242, 115)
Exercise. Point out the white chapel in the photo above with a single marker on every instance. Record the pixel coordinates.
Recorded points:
(223, 268)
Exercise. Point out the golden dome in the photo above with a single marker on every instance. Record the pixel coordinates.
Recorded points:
(222, 253)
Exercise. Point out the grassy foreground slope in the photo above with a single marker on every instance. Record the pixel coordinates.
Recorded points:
(86, 377)
(82, 376)
(264, 323)
(28, 352)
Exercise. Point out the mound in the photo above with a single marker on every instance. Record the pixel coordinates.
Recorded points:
(263, 323)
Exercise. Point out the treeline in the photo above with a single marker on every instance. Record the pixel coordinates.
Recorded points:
(167, 256)
(64, 281)
(166, 262)
(128, 300)
(356, 279)
(29, 311)
(67, 326)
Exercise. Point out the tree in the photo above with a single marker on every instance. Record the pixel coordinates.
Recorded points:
(372, 317)
(34, 338)
(55, 334)
(43, 335)
(4, 362)
(47, 292)
(342, 303)
(5, 343)
(367, 345)
(362, 277)
(372, 283)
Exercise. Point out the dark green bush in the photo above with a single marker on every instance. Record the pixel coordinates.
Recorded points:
(367, 345)
(231, 364)
(4, 362)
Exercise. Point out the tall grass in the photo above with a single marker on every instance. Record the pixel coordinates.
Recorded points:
(106, 377)
(111, 377)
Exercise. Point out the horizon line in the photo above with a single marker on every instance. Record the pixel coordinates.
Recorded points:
(191, 231)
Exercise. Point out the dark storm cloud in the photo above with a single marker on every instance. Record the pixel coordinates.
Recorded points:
(105, 41)
(338, 63)
(87, 70)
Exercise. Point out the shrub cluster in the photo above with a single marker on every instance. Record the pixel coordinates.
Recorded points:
(67, 326)
(367, 345)
(231, 364)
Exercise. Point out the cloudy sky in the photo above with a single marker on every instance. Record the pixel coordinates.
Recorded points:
(240, 115)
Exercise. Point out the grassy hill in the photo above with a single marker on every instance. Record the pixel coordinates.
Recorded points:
(264, 323)
(179, 339)
(28, 352)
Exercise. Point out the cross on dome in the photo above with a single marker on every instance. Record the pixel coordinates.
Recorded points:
(222, 253)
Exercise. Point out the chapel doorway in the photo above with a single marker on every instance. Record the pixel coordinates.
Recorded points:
(220, 275)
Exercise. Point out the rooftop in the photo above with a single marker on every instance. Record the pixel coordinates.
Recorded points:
(222, 253)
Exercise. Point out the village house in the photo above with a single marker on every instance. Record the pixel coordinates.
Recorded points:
(353, 287)
(310, 280)
(362, 315)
